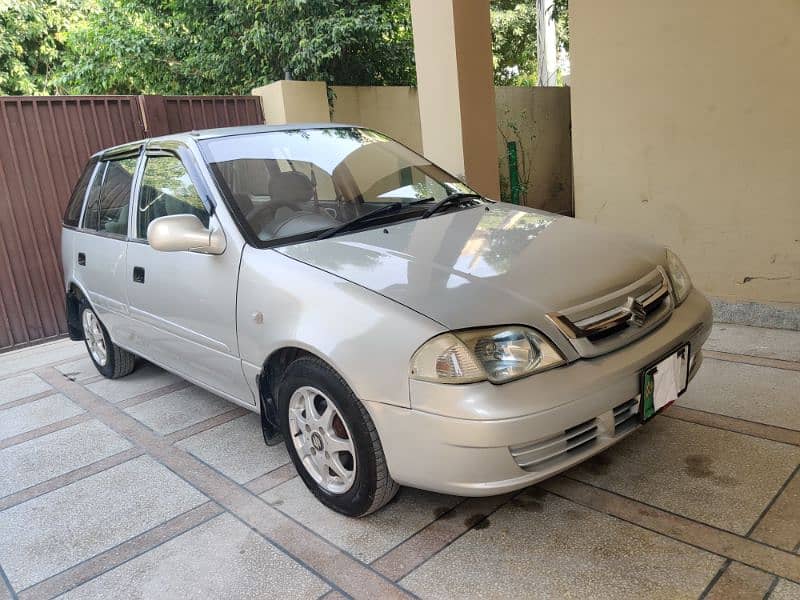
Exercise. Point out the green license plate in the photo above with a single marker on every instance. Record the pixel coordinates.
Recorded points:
(663, 382)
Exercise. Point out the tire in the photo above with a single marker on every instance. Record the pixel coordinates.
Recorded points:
(109, 359)
(370, 485)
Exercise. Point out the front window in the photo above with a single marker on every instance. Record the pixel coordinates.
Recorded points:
(291, 186)
(166, 190)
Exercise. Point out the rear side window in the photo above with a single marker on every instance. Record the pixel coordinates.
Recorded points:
(73, 213)
(109, 197)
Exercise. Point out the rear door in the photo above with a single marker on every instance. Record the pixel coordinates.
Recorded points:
(183, 303)
(100, 243)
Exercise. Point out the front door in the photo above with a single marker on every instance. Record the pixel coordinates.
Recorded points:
(183, 303)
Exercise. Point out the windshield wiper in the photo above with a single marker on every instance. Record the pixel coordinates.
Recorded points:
(360, 219)
(443, 203)
(452, 199)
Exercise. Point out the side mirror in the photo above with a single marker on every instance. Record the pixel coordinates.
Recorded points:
(177, 233)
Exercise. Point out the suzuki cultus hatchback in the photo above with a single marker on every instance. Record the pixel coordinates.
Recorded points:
(390, 325)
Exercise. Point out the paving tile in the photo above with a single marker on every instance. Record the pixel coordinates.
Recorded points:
(48, 456)
(237, 449)
(369, 537)
(718, 477)
(542, 546)
(780, 524)
(32, 357)
(222, 558)
(180, 409)
(21, 386)
(52, 532)
(782, 344)
(145, 378)
(79, 370)
(45, 411)
(740, 582)
(785, 590)
(760, 394)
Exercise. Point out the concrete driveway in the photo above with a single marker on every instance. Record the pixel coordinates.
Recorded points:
(150, 487)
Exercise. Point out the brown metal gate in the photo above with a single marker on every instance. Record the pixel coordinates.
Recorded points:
(44, 144)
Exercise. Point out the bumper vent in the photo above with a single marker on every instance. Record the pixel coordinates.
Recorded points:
(626, 416)
(543, 453)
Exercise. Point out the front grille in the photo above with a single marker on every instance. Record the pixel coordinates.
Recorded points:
(541, 454)
(616, 319)
(625, 416)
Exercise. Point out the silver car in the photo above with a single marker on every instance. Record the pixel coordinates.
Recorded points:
(390, 325)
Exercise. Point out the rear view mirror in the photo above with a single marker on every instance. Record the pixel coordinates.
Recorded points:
(177, 233)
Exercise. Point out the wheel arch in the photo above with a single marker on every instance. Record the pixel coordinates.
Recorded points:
(269, 376)
(74, 296)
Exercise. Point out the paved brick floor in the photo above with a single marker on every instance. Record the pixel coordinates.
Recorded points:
(148, 487)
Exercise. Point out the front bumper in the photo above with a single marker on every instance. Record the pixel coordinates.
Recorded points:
(472, 439)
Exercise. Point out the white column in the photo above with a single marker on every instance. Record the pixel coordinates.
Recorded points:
(453, 50)
(294, 102)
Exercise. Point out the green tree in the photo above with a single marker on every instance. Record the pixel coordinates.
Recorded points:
(561, 16)
(230, 46)
(514, 39)
(32, 36)
(514, 42)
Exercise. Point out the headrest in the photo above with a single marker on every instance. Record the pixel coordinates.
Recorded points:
(291, 187)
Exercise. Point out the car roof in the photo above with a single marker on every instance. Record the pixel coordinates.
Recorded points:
(205, 134)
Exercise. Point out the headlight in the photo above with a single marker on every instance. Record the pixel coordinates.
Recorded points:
(498, 354)
(679, 276)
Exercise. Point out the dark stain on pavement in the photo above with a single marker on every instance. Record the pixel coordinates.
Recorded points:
(527, 503)
(477, 522)
(534, 492)
(442, 512)
(599, 464)
(699, 466)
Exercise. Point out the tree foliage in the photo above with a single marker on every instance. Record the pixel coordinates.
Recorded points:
(561, 17)
(32, 36)
(514, 42)
(231, 46)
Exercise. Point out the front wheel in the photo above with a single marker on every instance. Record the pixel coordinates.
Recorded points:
(109, 359)
(332, 440)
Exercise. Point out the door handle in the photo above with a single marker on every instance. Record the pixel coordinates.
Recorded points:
(138, 274)
(81, 258)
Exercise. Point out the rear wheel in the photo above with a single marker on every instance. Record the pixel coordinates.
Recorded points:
(109, 359)
(332, 440)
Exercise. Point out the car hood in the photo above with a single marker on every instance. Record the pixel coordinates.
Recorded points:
(497, 264)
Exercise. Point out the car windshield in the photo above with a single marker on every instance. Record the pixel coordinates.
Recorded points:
(293, 185)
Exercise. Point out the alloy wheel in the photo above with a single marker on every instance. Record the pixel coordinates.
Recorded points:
(95, 340)
(322, 440)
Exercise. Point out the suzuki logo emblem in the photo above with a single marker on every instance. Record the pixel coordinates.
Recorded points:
(638, 315)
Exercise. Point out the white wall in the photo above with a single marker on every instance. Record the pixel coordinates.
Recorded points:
(686, 130)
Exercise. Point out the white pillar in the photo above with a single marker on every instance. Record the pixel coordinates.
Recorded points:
(453, 50)
(294, 102)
